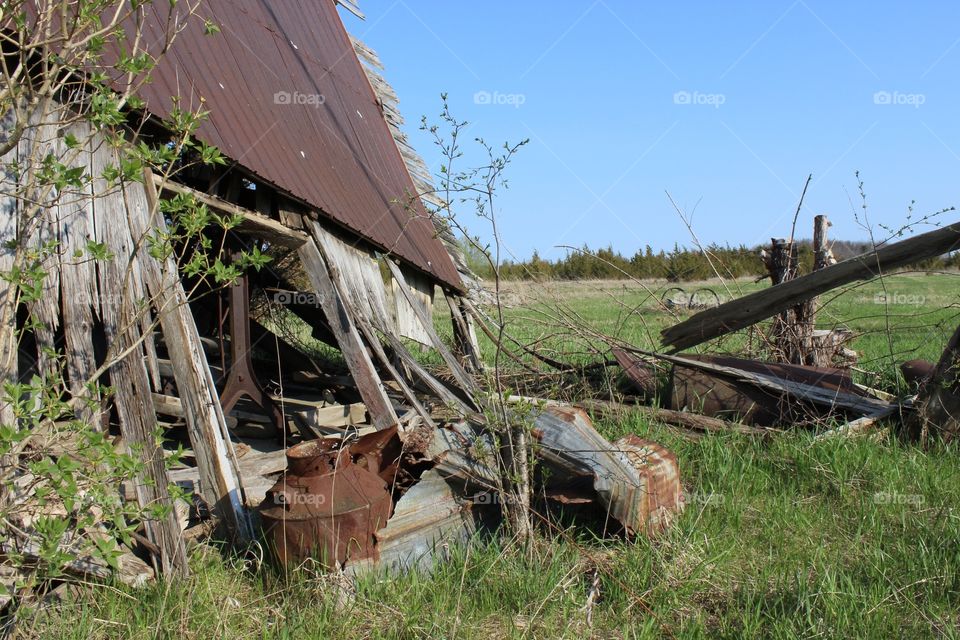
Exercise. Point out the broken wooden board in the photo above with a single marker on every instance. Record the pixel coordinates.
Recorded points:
(122, 301)
(408, 319)
(750, 309)
(860, 426)
(467, 384)
(359, 277)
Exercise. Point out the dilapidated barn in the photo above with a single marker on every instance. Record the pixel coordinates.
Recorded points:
(320, 178)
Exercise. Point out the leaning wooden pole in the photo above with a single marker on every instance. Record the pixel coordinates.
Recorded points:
(220, 482)
(743, 312)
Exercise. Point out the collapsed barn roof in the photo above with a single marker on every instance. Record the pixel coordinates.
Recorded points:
(289, 101)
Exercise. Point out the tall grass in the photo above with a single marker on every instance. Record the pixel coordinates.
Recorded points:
(789, 538)
(783, 538)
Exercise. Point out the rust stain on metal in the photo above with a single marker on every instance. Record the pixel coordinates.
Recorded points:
(662, 495)
(330, 502)
(289, 101)
(720, 396)
(640, 373)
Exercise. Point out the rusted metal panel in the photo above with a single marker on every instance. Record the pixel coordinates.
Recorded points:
(622, 477)
(712, 394)
(426, 522)
(660, 474)
(642, 374)
(289, 101)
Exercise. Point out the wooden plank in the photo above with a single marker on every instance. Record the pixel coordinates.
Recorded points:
(439, 389)
(253, 223)
(750, 309)
(405, 389)
(359, 277)
(860, 426)
(8, 293)
(128, 375)
(206, 424)
(462, 377)
(79, 290)
(339, 318)
(250, 465)
(39, 141)
(321, 419)
(351, 6)
(409, 313)
(464, 334)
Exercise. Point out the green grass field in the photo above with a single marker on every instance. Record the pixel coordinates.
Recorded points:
(783, 538)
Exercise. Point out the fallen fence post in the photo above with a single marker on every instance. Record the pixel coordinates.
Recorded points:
(750, 309)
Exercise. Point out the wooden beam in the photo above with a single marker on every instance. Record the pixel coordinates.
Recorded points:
(340, 320)
(206, 424)
(253, 223)
(750, 309)
(9, 210)
(351, 6)
(464, 334)
(408, 393)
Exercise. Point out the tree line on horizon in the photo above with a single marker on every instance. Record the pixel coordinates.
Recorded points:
(681, 264)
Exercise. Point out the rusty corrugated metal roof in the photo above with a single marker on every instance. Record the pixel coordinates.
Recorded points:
(289, 101)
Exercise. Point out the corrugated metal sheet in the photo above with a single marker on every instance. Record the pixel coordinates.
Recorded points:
(289, 101)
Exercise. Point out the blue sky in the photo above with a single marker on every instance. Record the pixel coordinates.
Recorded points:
(727, 106)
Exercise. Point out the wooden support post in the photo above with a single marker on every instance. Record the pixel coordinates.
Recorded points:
(340, 319)
(814, 351)
(8, 292)
(782, 266)
(220, 482)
